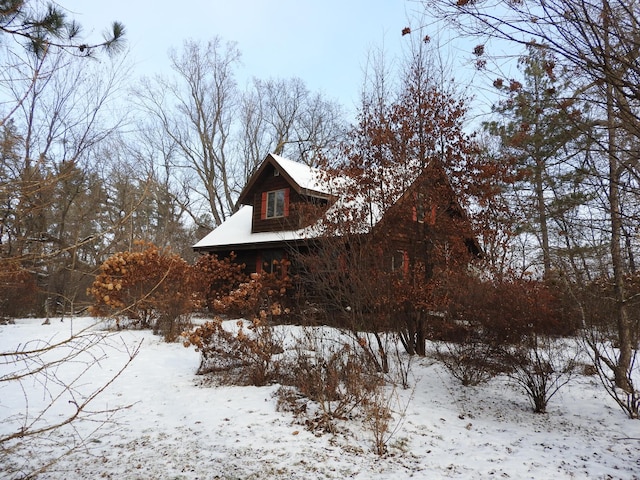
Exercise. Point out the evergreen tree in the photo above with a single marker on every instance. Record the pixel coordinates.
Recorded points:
(40, 26)
(540, 127)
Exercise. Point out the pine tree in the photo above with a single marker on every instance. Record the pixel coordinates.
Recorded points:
(40, 26)
(539, 125)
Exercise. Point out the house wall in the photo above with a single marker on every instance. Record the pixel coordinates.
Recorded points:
(257, 260)
(297, 210)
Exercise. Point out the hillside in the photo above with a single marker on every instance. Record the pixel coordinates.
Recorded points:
(177, 428)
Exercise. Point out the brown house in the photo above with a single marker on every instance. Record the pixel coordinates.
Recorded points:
(273, 217)
(276, 216)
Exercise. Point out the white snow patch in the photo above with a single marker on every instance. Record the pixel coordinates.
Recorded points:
(176, 429)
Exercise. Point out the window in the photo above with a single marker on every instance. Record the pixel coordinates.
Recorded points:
(418, 209)
(271, 261)
(400, 262)
(421, 213)
(275, 203)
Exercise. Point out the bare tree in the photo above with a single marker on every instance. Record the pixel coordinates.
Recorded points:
(398, 229)
(598, 41)
(52, 193)
(52, 119)
(285, 118)
(195, 110)
(211, 136)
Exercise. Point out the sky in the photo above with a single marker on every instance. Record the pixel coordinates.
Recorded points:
(325, 43)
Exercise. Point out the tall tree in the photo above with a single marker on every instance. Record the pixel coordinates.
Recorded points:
(53, 115)
(407, 152)
(598, 41)
(195, 110)
(213, 136)
(58, 124)
(538, 126)
(282, 116)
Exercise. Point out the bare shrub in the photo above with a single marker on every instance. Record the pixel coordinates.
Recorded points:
(328, 379)
(328, 371)
(540, 368)
(401, 364)
(604, 355)
(247, 352)
(251, 349)
(604, 337)
(378, 413)
(471, 362)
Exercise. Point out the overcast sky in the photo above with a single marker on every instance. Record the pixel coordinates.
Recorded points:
(324, 42)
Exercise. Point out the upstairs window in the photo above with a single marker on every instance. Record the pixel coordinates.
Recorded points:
(275, 203)
(400, 262)
(418, 209)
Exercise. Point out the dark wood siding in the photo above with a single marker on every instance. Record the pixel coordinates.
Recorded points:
(298, 208)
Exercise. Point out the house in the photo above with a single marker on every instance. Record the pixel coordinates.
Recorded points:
(283, 201)
(273, 217)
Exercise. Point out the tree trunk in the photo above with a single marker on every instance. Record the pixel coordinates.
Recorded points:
(625, 354)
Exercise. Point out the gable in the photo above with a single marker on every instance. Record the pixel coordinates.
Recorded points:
(278, 172)
(300, 186)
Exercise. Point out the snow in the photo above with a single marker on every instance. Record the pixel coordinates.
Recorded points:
(176, 428)
(236, 230)
(307, 178)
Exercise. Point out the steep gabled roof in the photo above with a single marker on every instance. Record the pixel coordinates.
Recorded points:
(303, 179)
(236, 231)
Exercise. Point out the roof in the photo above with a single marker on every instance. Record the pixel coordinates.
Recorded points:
(236, 232)
(354, 209)
(304, 179)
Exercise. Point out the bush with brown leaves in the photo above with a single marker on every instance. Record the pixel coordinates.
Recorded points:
(149, 288)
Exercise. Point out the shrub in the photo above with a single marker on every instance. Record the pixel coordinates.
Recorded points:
(247, 352)
(332, 374)
(216, 278)
(507, 311)
(470, 361)
(152, 288)
(540, 368)
(251, 349)
(263, 293)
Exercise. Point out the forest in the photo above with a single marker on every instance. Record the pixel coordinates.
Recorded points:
(107, 182)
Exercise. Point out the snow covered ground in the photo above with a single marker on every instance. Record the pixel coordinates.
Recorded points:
(177, 429)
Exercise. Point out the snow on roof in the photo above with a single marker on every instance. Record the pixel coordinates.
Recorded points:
(306, 177)
(236, 231)
(360, 212)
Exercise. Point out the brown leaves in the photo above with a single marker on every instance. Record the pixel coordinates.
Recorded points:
(17, 288)
(144, 285)
(515, 86)
(478, 50)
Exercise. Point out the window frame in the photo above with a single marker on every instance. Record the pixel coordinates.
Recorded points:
(400, 262)
(271, 199)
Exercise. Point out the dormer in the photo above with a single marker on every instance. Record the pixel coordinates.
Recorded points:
(282, 193)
